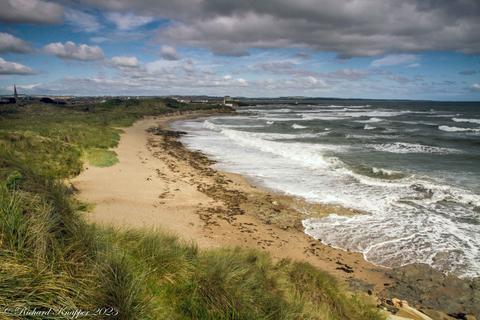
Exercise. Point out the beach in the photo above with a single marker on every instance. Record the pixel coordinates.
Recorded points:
(159, 184)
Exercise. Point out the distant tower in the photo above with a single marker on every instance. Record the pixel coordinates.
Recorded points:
(15, 94)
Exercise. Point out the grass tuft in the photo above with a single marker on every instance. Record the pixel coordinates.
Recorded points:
(101, 157)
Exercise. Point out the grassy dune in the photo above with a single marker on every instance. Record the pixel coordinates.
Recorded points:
(50, 258)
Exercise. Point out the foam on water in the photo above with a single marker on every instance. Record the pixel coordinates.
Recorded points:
(297, 126)
(457, 129)
(403, 147)
(371, 120)
(305, 155)
(371, 136)
(477, 121)
(320, 116)
(259, 135)
(410, 217)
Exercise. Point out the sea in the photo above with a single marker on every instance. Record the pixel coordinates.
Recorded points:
(411, 167)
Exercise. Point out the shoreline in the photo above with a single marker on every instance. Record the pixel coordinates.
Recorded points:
(157, 176)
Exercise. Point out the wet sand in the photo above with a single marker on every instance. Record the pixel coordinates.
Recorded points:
(159, 184)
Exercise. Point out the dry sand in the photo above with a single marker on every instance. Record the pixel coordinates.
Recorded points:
(159, 184)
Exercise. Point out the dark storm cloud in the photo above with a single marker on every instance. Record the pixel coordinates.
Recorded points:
(30, 11)
(349, 28)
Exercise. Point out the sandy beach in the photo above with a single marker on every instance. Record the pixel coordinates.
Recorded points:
(159, 184)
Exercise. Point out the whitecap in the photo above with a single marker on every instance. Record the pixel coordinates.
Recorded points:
(457, 129)
(297, 126)
(477, 121)
(371, 120)
(403, 147)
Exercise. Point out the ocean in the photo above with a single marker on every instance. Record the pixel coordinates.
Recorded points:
(411, 167)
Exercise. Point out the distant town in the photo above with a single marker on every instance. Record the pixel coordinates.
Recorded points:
(18, 98)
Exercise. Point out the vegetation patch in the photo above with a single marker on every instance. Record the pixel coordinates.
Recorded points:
(101, 157)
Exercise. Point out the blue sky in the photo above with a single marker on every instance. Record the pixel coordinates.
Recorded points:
(416, 50)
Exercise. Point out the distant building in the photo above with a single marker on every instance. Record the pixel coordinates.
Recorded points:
(228, 101)
(15, 94)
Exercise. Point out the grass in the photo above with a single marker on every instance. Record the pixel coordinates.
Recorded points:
(101, 157)
(51, 258)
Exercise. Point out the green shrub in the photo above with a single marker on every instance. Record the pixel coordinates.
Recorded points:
(101, 157)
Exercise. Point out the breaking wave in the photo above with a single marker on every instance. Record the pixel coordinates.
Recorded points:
(457, 129)
(403, 147)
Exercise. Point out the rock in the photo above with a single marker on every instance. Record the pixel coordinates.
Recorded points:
(344, 267)
(421, 285)
(396, 303)
(458, 315)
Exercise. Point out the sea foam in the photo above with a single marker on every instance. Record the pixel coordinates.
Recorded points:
(477, 121)
(403, 147)
(457, 129)
(297, 126)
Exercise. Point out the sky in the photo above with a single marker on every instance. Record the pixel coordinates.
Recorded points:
(385, 49)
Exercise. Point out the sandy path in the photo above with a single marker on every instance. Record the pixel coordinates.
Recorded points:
(132, 193)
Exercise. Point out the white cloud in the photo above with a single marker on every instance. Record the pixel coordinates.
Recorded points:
(169, 53)
(475, 87)
(125, 61)
(312, 80)
(127, 21)
(30, 11)
(393, 60)
(23, 86)
(7, 67)
(9, 43)
(242, 82)
(71, 51)
(83, 21)
(315, 82)
(414, 65)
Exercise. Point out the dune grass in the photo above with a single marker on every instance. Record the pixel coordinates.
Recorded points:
(101, 157)
(51, 258)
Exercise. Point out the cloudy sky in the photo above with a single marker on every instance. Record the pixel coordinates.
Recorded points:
(414, 49)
